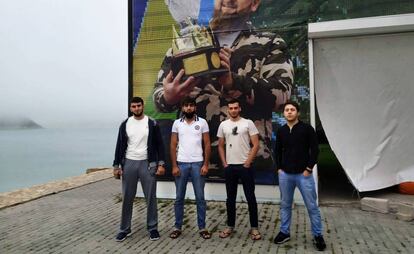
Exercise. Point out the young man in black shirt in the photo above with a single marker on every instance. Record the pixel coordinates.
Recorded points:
(296, 154)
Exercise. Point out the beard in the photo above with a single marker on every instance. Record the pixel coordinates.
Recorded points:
(229, 22)
(189, 115)
(139, 114)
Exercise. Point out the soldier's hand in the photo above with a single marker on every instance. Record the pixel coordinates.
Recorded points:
(160, 171)
(175, 171)
(174, 91)
(226, 80)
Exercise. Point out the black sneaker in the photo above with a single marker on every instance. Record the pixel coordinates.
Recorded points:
(319, 243)
(154, 235)
(122, 236)
(281, 238)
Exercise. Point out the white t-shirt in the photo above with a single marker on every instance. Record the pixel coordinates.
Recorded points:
(190, 138)
(137, 132)
(237, 136)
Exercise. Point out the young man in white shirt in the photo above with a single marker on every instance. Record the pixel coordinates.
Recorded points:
(235, 135)
(139, 154)
(189, 134)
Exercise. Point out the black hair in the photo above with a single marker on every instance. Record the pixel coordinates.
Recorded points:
(136, 100)
(188, 100)
(293, 103)
(232, 101)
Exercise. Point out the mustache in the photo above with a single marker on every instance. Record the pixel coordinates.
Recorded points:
(229, 5)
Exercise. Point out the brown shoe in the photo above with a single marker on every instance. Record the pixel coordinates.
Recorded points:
(205, 234)
(255, 234)
(175, 234)
(226, 232)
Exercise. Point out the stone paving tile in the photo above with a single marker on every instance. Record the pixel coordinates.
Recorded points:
(85, 220)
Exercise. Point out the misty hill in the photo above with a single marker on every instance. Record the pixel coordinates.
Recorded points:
(8, 123)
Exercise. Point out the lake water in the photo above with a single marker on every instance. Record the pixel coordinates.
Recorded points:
(29, 157)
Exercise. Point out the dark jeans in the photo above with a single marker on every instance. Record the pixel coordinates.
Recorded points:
(232, 174)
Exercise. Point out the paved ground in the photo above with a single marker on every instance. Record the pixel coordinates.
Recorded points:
(85, 220)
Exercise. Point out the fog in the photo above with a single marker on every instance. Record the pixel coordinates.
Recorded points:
(64, 62)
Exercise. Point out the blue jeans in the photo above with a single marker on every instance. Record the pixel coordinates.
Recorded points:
(188, 169)
(306, 186)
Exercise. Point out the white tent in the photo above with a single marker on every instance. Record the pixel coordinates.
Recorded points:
(362, 74)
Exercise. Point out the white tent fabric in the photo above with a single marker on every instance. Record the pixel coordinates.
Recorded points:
(364, 89)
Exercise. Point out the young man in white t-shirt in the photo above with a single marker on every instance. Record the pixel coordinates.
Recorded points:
(139, 154)
(189, 134)
(235, 136)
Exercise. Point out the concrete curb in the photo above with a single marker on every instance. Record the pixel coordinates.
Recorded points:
(13, 198)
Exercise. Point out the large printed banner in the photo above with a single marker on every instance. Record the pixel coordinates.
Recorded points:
(268, 40)
(261, 66)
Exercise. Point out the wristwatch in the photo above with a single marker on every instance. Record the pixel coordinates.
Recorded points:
(309, 170)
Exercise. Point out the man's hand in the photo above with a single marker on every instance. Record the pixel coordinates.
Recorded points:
(175, 171)
(160, 170)
(306, 173)
(174, 92)
(226, 80)
(117, 172)
(247, 164)
(279, 171)
(204, 170)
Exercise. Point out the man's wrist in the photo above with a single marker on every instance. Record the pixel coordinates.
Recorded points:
(309, 170)
(167, 105)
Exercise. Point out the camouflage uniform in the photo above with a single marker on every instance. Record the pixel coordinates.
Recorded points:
(263, 76)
